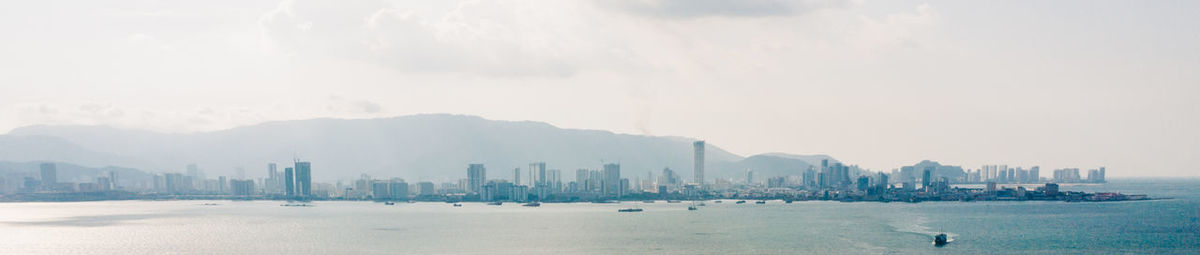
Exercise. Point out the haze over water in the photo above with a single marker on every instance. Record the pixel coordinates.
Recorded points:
(812, 227)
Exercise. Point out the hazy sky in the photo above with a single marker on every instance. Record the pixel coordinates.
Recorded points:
(881, 84)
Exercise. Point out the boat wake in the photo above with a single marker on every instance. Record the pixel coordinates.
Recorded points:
(918, 225)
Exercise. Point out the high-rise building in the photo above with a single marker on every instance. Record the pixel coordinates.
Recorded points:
(399, 189)
(477, 177)
(289, 182)
(554, 180)
(1035, 174)
(926, 177)
(381, 190)
(611, 185)
(581, 178)
(303, 178)
(517, 176)
(425, 188)
(749, 177)
(242, 187)
(537, 174)
(698, 162)
(49, 173)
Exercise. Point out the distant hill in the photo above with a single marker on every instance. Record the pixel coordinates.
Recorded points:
(419, 147)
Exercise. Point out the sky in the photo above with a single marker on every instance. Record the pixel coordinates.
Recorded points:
(881, 84)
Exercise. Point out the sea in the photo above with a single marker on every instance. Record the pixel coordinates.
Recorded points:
(1165, 226)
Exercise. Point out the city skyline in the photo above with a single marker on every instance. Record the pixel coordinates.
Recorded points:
(878, 83)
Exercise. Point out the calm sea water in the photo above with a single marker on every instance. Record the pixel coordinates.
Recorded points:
(263, 227)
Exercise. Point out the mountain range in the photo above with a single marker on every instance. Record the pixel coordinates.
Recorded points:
(434, 147)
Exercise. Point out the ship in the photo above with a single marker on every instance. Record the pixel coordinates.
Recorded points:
(940, 239)
(457, 205)
(692, 208)
(496, 203)
(534, 204)
(761, 202)
(630, 210)
(741, 202)
(389, 203)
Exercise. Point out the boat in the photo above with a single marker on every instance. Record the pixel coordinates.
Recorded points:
(940, 239)
(648, 201)
(692, 208)
(296, 205)
(496, 203)
(389, 203)
(718, 201)
(630, 210)
(457, 205)
(673, 201)
(534, 204)
(741, 202)
(760, 202)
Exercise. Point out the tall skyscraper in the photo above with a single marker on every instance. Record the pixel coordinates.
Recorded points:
(581, 178)
(289, 182)
(537, 174)
(927, 177)
(517, 176)
(749, 176)
(611, 185)
(698, 162)
(476, 177)
(303, 178)
(49, 174)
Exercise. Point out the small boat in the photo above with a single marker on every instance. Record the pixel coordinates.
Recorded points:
(534, 204)
(457, 205)
(939, 239)
(673, 201)
(496, 203)
(648, 201)
(630, 210)
(692, 208)
(210, 204)
(741, 202)
(389, 203)
(761, 202)
(296, 205)
(718, 201)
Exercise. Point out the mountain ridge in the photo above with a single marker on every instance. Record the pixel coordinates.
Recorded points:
(422, 147)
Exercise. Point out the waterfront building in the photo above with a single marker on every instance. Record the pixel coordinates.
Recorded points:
(242, 187)
(516, 176)
(399, 189)
(49, 173)
(698, 163)
(476, 178)
(380, 190)
(749, 177)
(425, 188)
(611, 186)
(303, 178)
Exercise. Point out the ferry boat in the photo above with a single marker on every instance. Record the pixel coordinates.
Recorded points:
(939, 239)
(630, 210)
(741, 202)
(534, 204)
